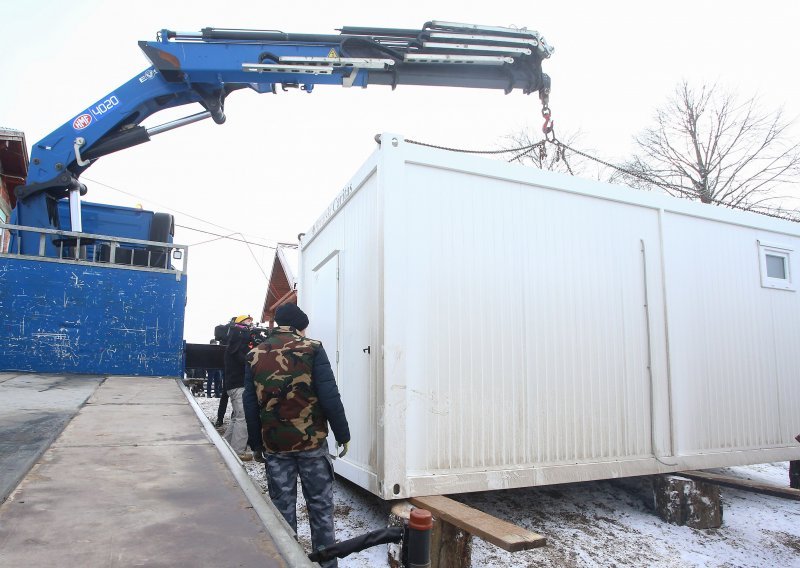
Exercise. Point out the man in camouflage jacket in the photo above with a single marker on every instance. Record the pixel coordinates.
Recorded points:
(298, 398)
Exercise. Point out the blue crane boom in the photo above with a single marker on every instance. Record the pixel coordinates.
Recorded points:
(205, 67)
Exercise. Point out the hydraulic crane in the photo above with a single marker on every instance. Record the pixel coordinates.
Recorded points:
(205, 67)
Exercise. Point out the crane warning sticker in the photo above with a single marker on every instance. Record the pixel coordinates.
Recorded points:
(332, 54)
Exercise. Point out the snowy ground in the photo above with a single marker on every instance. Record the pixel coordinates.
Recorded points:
(596, 524)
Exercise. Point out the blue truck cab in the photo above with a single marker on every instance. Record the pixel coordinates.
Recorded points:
(124, 223)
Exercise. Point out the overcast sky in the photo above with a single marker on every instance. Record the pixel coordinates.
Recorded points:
(278, 161)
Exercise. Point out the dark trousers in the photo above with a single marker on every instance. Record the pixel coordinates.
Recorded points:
(316, 478)
(251, 412)
(223, 406)
(214, 383)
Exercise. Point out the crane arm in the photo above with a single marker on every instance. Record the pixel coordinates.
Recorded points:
(205, 67)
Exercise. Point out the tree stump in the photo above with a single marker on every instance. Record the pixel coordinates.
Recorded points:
(398, 517)
(794, 474)
(681, 501)
(451, 547)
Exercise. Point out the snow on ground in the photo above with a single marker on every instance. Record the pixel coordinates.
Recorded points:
(594, 524)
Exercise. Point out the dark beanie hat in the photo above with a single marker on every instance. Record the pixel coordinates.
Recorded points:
(291, 315)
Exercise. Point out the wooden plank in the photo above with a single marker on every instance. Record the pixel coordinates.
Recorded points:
(744, 484)
(501, 533)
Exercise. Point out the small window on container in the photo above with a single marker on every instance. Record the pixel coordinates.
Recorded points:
(776, 269)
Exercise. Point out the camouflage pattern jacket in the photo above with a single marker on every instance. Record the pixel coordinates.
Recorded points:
(297, 393)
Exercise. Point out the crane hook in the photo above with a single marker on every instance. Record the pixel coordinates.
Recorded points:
(547, 127)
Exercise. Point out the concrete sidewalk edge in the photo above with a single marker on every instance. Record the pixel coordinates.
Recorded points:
(280, 531)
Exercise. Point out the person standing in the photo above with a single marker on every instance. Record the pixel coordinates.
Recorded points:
(297, 393)
(221, 334)
(235, 361)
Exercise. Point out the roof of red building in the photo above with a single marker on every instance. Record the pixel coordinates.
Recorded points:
(281, 287)
(13, 160)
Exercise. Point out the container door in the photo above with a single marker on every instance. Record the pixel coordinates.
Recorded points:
(324, 321)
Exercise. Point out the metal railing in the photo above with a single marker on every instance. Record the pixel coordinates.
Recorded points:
(87, 248)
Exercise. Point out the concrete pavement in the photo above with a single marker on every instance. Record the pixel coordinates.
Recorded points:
(35, 409)
(135, 479)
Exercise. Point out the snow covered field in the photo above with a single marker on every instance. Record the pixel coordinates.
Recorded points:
(595, 524)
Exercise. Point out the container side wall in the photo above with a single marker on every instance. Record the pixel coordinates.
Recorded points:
(733, 343)
(525, 333)
(526, 328)
(350, 235)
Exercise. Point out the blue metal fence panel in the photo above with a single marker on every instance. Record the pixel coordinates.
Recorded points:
(74, 318)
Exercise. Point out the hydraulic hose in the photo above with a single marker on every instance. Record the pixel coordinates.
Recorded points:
(357, 544)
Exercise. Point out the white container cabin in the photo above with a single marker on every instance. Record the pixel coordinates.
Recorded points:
(495, 326)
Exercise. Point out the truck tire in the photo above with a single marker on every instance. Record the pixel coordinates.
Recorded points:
(162, 227)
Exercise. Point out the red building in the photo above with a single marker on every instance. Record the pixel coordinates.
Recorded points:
(13, 170)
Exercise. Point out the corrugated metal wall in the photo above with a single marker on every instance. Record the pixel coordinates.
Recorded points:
(734, 345)
(525, 330)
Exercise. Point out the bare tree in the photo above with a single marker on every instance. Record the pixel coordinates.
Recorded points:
(707, 145)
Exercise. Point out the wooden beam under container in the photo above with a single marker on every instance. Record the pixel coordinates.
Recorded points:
(744, 484)
(501, 533)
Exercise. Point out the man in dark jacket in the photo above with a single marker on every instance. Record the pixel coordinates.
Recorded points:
(298, 397)
(235, 362)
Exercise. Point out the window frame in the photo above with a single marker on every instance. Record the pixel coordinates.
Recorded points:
(781, 251)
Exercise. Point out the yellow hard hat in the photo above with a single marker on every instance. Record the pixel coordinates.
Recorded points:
(240, 319)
